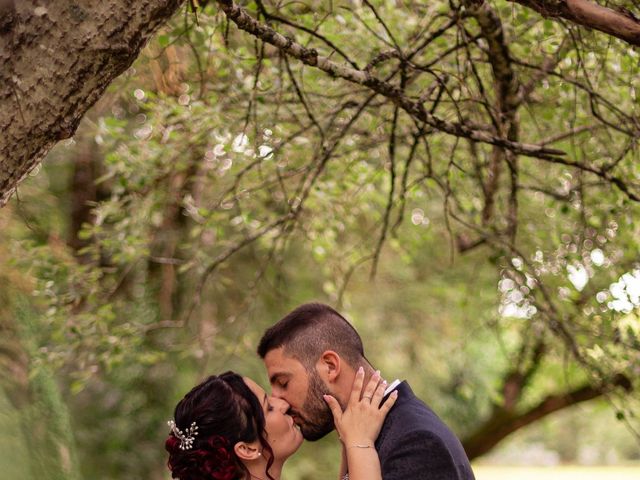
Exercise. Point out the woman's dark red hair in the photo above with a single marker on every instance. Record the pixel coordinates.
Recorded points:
(226, 411)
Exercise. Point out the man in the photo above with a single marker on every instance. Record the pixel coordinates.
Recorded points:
(313, 351)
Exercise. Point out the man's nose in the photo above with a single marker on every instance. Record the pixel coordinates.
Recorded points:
(275, 392)
(281, 404)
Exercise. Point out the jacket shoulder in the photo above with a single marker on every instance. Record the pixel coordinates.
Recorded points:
(415, 443)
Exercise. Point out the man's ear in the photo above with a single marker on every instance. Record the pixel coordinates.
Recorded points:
(329, 366)
(247, 451)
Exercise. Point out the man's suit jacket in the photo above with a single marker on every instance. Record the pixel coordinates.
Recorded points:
(414, 444)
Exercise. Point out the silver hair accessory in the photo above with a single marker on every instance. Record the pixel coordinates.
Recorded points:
(187, 437)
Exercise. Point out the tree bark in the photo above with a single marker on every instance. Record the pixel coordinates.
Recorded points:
(56, 60)
(619, 23)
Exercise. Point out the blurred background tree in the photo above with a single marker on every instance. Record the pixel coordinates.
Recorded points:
(471, 206)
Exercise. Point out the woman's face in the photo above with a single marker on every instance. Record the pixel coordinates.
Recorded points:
(283, 435)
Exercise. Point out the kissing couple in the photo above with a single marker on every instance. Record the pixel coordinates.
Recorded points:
(229, 428)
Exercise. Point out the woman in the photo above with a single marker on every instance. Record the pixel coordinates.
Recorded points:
(227, 428)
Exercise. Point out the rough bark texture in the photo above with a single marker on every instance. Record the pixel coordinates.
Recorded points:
(56, 59)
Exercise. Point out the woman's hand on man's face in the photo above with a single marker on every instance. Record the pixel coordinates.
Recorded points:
(360, 423)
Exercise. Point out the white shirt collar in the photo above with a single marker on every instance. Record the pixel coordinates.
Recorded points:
(392, 386)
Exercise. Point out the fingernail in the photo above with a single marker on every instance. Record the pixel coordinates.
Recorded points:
(394, 393)
(384, 382)
(360, 370)
(377, 373)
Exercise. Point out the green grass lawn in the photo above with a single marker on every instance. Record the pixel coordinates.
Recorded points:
(556, 473)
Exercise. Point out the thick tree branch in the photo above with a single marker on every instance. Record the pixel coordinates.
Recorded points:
(619, 24)
(55, 63)
(504, 422)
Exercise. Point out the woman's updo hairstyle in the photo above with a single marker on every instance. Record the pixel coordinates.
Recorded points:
(225, 411)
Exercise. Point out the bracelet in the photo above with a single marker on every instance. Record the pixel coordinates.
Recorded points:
(358, 445)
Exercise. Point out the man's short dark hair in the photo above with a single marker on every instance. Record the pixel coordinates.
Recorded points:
(311, 329)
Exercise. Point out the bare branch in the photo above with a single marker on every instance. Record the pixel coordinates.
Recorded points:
(392, 187)
(285, 21)
(311, 57)
(384, 25)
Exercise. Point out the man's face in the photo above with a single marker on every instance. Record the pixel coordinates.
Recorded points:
(302, 390)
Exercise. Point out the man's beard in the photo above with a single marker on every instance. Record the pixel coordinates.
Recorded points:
(317, 420)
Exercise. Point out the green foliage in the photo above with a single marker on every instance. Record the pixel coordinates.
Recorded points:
(232, 183)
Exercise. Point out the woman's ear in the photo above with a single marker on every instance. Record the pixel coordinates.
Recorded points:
(247, 451)
(328, 366)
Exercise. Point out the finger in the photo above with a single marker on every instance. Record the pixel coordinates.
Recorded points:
(334, 406)
(379, 393)
(357, 387)
(371, 386)
(391, 400)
